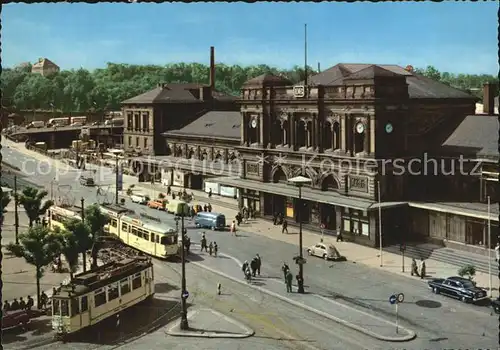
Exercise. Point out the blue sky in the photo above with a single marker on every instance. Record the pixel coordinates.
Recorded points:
(452, 36)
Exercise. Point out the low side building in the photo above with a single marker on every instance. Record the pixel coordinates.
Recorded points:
(44, 67)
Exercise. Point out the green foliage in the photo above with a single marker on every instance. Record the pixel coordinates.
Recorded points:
(70, 248)
(32, 201)
(81, 237)
(161, 195)
(96, 221)
(4, 202)
(40, 247)
(15, 249)
(468, 271)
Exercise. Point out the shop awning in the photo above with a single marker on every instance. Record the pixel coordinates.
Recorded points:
(386, 205)
(332, 198)
(475, 210)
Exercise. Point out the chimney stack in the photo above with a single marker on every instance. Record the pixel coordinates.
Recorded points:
(319, 68)
(489, 92)
(212, 67)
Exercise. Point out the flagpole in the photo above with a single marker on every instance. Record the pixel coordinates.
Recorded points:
(305, 60)
(489, 245)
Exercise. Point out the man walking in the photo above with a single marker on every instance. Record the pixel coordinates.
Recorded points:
(284, 227)
(289, 279)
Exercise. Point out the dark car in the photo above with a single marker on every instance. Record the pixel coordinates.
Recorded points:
(495, 304)
(459, 288)
(14, 319)
(87, 181)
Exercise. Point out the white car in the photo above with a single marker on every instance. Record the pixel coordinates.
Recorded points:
(139, 199)
(325, 251)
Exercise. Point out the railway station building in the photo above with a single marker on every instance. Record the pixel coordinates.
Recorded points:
(376, 141)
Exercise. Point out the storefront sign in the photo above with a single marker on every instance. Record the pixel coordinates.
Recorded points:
(299, 91)
(358, 183)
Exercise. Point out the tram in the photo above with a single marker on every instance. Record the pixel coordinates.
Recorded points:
(57, 215)
(97, 294)
(142, 232)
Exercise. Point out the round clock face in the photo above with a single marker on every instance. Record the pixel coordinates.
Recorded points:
(388, 128)
(360, 128)
(254, 123)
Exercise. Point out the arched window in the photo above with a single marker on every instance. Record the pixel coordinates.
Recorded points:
(327, 135)
(204, 155)
(277, 132)
(279, 176)
(336, 135)
(253, 131)
(301, 134)
(329, 183)
(359, 142)
(191, 154)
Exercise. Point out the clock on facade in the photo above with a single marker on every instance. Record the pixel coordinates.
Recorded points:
(360, 128)
(254, 123)
(388, 128)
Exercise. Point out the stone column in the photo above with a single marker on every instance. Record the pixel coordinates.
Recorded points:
(262, 134)
(372, 134)
(244, 129)
(343, 133)
(291, 126)
(366, 141)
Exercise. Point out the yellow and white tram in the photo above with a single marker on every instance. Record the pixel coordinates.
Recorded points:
(58, 215)
(143, 233)
(95, 295)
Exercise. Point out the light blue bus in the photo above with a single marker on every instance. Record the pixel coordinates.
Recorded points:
(214, 221)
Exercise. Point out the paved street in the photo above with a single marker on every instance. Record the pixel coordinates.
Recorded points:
(438, 321)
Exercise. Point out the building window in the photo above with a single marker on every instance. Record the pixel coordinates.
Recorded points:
(137, 121)
(302, 137)
(336, 135)
(145, 142)
(145, 121)
(136, 142)
(130, 121)
(359, 141)
(129, 141)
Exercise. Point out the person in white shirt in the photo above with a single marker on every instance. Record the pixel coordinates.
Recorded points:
(497, 252)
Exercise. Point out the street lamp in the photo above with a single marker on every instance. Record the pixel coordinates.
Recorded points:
(299, 181)
(184, 293)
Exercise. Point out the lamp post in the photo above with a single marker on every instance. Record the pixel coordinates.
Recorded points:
(380, 223)
(184, 294)
(489, 247)
(299, 181)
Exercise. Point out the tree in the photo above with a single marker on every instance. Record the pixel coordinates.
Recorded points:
(4, 202)
(96, 221)
(32, 201)
(69, 248)
(39, 248)
(81, 232)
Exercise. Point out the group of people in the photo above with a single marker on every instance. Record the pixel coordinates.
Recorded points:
(252, 269)
(418, 270)
(244, 215)
(21, 304)
(211, 248)
(279, 219)
(288, 276)
(183, 195)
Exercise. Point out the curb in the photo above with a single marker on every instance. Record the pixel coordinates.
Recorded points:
(411, 335)
(200, 334)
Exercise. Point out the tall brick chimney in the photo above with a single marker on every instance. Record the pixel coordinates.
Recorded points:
(212, 67)
(489, 92)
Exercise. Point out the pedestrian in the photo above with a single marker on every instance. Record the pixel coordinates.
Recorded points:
(22, 304)
(238, 218)
(43, 300)
(209, 207)
(253, 266)
(173, 195)
(6, 306)
(244, 267)
(285, 270)
(300, 281)
(497, 252)
(284, 227)
(233, 228)
(259, 264)
(205, 208)
(15, 305)
(210, 248)
(30, 303)
(216, 249)
(340, 238)
(275, 218)
(210, 193)
(414, 268)
(187, 243)
(422, 269)
(203, 242)
(288, 281)
(169, 190)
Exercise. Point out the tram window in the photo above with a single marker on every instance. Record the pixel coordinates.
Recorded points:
(134, 231)
(139, 233)
(137, 282)
(64, 307)
(75, 307)
(55, 306)
(85, 303)
(175, 239)
(124, 286)
(113, 291)
(146, 235)
(113, 223)
(157, 239)
(153, 237)
(124, 227)
(100, 297)
(164, 240)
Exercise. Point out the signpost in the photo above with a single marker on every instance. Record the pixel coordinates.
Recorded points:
(396, 299)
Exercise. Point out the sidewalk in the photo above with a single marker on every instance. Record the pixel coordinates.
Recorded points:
(353, 252)
(340, 312)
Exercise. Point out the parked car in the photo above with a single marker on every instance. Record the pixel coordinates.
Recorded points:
(459, 288)
(325, 251)
(159, 204)
(87, 181)
(495, 304)
(14, 319)
(140, 199)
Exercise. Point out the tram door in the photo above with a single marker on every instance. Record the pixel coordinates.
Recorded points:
(153, 243)
(147, 282)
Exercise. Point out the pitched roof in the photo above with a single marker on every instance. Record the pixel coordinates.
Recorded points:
(213, 124)
(268, 79)
(418, 86)
(176, 93)
(44, 62)
(477, 134)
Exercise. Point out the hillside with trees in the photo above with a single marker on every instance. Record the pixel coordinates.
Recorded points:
(103, 89)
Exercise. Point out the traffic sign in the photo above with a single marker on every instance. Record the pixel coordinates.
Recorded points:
(393, 299)
(401, 297)
(322, 226)
(185, 294)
